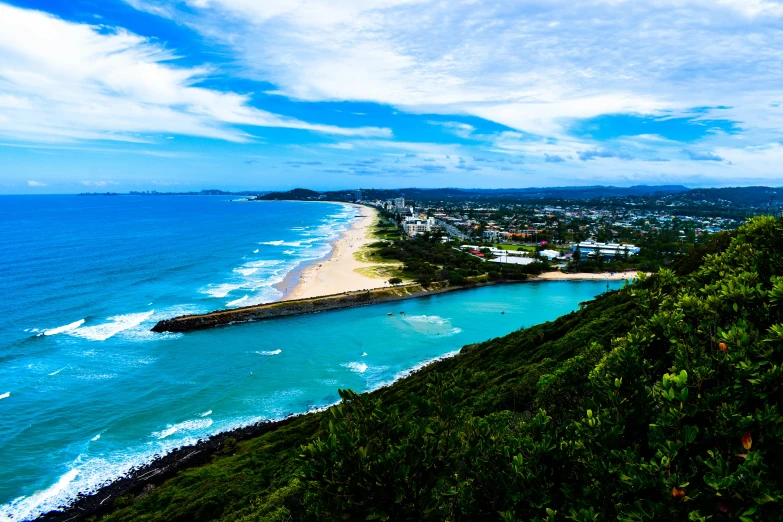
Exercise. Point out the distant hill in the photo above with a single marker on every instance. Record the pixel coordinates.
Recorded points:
(436, 194)
(584, 193)
(745, 196)
(298, 194)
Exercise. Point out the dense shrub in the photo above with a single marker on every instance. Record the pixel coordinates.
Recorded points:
(680, 421)
(661, 401)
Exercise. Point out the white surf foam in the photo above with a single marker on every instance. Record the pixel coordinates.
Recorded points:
(206, 413)
(355, 367)
(246, 271)
(117, 324)
(5, 395)
(262, 263)
(273, 352)
(190, 425)
(255, 251)
(98, 436)
(28, 507)
(57, 371)
(288, 252)
(431, 325)
(282, 242)
(67, 328)
(237, 302)
(219, 291)
(431, 319)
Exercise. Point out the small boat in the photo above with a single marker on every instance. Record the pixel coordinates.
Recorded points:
(390, 314)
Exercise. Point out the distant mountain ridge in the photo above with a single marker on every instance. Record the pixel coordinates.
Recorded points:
(590, 192)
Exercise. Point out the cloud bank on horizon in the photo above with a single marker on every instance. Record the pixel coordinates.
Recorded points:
(339, 93)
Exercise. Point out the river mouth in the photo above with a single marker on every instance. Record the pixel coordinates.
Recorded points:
(211, 381)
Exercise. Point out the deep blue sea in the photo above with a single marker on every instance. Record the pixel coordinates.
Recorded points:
(88, 392)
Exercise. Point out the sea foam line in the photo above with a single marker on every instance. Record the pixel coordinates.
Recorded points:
(67, 328)
(117, 324)
(96, 473)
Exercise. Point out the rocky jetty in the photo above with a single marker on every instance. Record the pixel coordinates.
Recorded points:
(188, 323)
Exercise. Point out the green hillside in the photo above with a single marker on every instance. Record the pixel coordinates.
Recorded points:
(661, 401)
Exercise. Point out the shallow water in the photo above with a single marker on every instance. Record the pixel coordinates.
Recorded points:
(88, 392)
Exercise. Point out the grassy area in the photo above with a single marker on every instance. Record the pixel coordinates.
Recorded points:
(385, 229)
(509, 246)
(370, 254)
(384, 272)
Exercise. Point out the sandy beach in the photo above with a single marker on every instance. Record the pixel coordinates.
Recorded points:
(338, 273)
(603, 276)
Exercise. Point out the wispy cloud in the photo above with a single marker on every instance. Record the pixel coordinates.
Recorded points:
(466, 58)
(33, 183)
(100, 183)
(702, 155)
(592, 154)
(70, 81)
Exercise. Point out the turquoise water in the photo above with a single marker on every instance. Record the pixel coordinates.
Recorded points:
(90, 400)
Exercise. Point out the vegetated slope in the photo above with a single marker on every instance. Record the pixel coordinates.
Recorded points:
(657, 402)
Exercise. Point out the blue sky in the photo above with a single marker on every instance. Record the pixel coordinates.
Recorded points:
(124, 95)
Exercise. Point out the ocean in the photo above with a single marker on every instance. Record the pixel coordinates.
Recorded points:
(87, 391)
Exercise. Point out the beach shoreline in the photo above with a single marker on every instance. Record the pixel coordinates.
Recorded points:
(585, 276)
(337, 273)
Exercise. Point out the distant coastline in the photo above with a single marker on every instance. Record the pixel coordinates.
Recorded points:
(211, 192)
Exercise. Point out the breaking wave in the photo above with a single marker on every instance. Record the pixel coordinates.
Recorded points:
(61, 329)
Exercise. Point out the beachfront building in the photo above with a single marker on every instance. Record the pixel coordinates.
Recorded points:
(357, 195)
(550, 254)
(592, 248)
(415, 226)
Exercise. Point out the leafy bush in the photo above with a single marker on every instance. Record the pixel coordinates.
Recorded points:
(661, 401)
(681, 420)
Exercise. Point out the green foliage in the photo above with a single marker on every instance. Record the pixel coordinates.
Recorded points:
(661, 434)
(661, 401)
(426, 259)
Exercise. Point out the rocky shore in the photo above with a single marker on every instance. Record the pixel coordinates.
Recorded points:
(247, 314)
(157, 472)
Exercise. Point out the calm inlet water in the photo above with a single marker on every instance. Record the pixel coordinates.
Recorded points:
(88, 392)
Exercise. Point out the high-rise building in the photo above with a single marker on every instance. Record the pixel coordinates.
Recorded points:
(357, 195)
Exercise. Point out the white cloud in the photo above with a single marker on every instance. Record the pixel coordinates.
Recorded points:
(340, 146)
(63, 81)
(33, 183)
(526, 64)
(463, 130)
(97, 183)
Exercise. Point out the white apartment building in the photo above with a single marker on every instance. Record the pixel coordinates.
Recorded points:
(608, 250)
(415, 226)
